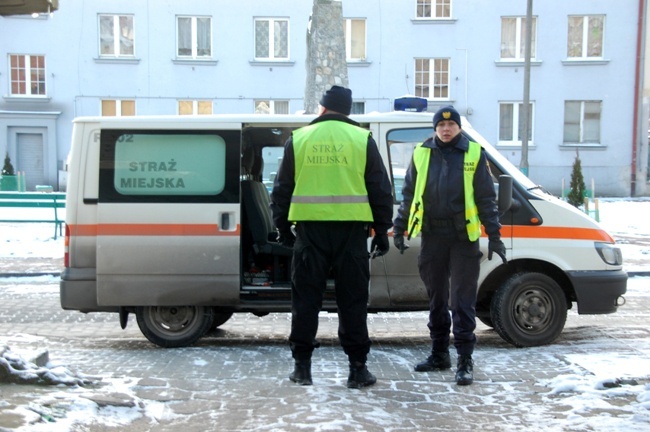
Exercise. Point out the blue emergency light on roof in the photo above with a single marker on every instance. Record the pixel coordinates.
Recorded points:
(410, 103)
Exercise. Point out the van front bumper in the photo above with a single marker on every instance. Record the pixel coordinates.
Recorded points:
(597, 292)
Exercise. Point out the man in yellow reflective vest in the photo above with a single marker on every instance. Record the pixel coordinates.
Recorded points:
(332, 184)
(448, 193)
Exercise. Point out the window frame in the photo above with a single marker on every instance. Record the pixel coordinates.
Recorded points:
(116, 27)
(349, 40)
(271, 42)
(358, 107)
(516, 124)
(118, 107)
(196, 106)
(581, 124)
(519, 46)
(420, 9)
(432, 73)
(271, 103)
(194, 37)
(584, 40)
(27, 72)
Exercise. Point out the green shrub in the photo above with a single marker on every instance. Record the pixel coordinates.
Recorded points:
(577, 190)
(8, 168)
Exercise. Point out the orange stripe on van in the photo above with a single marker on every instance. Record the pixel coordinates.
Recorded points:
(550, 232)
(149, 230)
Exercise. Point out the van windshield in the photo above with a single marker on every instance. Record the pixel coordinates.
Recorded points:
(500, 160)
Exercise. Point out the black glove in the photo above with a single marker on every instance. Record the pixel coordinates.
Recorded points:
(497, 247)
(398, 241)
(379, 245)
(286, 239)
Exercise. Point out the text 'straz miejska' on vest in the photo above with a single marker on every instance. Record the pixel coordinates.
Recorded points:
(327, 154)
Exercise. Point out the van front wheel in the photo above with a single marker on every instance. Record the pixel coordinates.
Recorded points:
(529, 309)
(174, 326)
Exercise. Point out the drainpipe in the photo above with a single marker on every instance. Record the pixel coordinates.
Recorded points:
(637, 90)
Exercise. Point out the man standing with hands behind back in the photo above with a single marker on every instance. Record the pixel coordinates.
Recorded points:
(448, 192)
(333, 185)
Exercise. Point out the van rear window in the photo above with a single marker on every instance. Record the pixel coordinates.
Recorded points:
(169, 166)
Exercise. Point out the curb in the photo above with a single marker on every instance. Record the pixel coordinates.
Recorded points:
(58, 274)
(18, 275)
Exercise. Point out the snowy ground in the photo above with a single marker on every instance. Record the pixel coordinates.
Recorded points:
(595, 380)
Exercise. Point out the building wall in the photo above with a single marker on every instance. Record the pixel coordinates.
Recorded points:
(77, 79)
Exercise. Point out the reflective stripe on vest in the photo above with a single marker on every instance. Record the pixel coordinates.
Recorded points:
(421, 157)
(330, 165)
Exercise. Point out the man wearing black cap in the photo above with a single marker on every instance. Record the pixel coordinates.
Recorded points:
(448, 193)
(332, 184)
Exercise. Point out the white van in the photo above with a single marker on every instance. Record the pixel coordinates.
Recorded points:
(168, 218)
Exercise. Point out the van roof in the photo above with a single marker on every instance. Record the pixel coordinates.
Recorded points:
(394, 116)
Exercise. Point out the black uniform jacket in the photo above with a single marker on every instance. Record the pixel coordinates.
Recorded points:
(444, 195)
(378, 185)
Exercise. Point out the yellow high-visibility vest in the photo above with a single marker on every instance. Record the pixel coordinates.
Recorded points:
(330, 164)
(421, 156)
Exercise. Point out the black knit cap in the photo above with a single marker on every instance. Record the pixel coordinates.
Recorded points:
(338, 99)
(446, 113)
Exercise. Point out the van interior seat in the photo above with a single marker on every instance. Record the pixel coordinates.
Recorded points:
(256, 203)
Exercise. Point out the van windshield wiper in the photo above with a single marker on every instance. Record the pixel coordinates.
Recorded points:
(539, 187)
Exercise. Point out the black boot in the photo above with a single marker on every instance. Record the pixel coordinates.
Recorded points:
(465, 372)
(360, 376)
(301, 372)
(438, 360)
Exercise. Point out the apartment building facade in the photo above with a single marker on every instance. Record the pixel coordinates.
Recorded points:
(198, 57)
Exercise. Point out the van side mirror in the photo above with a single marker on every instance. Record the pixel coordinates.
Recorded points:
(505, 193)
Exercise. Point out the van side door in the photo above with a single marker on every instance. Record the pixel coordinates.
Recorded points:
(405, 287)
(168, 216)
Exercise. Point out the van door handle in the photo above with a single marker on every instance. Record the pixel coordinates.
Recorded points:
(225, 221)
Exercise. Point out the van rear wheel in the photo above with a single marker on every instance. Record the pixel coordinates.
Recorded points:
(174, 326)
(529, 309)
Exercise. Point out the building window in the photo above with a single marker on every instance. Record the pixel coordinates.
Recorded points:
(194, 107)
(513, 38)
(116, 36)
(267, 106)
(582, 122)
(358, 108)
(433, 8)
(355, 39)
(27, 75)
(432, 78)
(586, 36)
(511, 123)
(118, 108)
(194, 36)
(271, 39)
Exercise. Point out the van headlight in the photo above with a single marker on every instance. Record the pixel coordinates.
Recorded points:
(609, 253)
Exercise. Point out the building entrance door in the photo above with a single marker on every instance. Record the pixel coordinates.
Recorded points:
(29, 149)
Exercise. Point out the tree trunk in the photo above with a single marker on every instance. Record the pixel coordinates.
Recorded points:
(326, 63)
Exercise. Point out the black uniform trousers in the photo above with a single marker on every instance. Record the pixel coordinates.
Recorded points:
(321, 248)
(449, 268)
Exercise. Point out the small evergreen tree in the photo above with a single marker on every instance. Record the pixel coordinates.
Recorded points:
(576, 195)
(8, 169)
